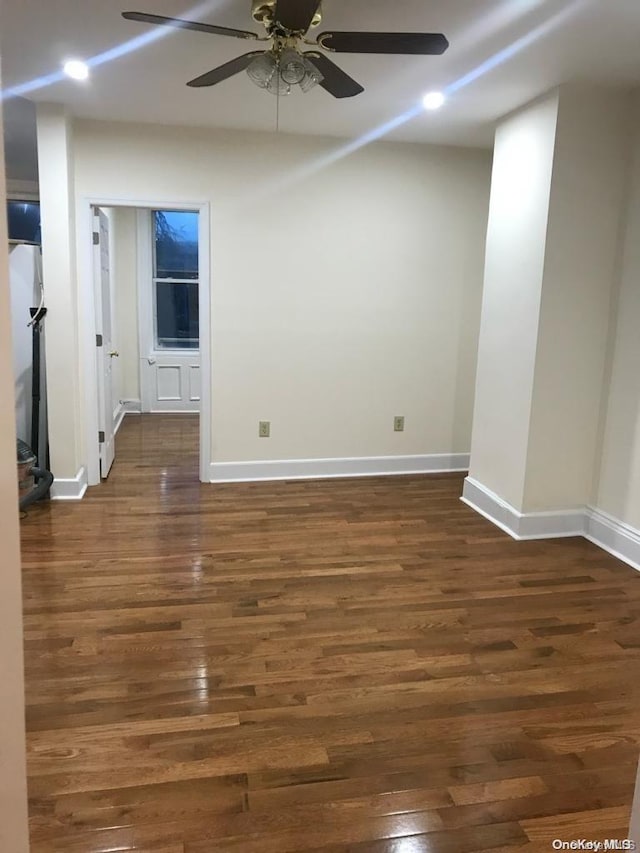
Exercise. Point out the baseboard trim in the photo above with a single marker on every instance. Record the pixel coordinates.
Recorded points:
(607, 532)
(614, 536)
(487, 504)
(532, 525)
(312, 469)
(118, 417)
(173, 412)
(71, 489)
(132, 407)
(125, 407)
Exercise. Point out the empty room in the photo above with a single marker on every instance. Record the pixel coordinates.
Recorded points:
(320, 466)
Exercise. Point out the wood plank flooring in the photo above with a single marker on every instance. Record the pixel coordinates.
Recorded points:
(344, 666)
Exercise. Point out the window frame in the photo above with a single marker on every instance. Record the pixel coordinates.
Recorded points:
(154, 298)
(155, 348)
(23, 199)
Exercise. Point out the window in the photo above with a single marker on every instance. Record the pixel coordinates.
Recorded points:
(23, 220)
(175, 279)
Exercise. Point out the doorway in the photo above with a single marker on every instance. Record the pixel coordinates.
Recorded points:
(148, 307)
(168, 310)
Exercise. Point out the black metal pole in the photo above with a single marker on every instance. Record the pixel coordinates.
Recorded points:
(35, 382)
(36, 316)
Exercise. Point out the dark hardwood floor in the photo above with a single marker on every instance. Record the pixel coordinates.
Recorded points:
(356, 665)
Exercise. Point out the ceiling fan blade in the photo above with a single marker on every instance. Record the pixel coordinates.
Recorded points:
(336, 81)
(223, 72)
(180, 24)
(295, 15)
(418, 44)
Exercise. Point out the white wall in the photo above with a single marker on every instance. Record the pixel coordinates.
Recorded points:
(618, 491)
(516, 243)
(13, 783)
(341, 296)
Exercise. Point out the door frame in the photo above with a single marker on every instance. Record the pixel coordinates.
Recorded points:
(146, 314)
(88, 349)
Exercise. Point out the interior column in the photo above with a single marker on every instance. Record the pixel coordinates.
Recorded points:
(553, 243)
(57, 210)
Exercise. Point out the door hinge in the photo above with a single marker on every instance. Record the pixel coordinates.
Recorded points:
(98, 340)
(101, 437)
(96, 238)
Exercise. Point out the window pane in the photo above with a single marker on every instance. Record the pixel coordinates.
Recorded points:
(177, 315)
(176, 244)
(24, 220)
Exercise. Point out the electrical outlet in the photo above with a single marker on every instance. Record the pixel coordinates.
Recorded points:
(264, 429)
(398, 423)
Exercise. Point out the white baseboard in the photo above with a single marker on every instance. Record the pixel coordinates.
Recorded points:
(132, 407)
(72, 489)
(532, 525)
(173, 412)
(619, 539)
(125, 407)
(118, 417)
(310, 469)
(609, 533)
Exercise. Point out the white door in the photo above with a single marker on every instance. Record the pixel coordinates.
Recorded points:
(170, 382)
(168, 312)
(104, 342)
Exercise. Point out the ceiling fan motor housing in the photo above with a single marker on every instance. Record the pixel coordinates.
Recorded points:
(263, 11)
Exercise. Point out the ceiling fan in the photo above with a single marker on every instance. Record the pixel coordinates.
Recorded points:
(284, 64)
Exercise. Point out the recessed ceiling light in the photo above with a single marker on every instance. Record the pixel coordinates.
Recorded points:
(433, 100)
(76, 69)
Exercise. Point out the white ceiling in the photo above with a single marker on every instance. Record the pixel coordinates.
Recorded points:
(524, 46)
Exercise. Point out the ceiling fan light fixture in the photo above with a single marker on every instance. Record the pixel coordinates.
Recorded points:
(312, 76)
(292, 67)
(278, 73)
(263, 69)
(278, 85)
